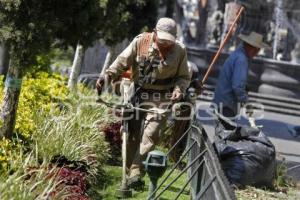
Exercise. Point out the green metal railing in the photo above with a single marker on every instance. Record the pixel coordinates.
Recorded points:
(206, 178)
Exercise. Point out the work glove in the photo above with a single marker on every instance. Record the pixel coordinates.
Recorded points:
(197, 84)
(102, 80)
(176, 95)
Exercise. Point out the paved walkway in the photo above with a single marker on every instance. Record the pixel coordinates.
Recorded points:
(274, 126)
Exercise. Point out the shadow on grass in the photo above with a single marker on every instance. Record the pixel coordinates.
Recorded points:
(113, 180)
(177, 189)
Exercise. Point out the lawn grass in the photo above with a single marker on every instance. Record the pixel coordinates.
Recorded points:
(114, 180)
(250, 193)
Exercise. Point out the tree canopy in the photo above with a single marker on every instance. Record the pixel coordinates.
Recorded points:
(127, 18)
(30, 27)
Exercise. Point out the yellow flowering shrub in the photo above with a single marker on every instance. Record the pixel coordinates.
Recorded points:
(38, 92)
(8, 153)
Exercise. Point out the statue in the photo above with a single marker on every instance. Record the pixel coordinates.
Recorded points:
(295, 54)
(216, 22)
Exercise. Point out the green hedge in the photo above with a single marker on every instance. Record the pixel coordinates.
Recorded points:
(53, 122)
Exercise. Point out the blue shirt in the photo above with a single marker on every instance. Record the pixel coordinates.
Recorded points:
(231, 86)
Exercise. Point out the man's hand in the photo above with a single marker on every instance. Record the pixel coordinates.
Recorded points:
(101, 82)
(249, 109)
(198, 86)
(176, 95)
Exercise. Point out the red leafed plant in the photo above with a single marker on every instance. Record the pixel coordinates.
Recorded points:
(113, 137)
(70, 176)
(73, 182)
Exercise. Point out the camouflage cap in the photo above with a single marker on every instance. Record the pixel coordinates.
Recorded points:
(166, 29)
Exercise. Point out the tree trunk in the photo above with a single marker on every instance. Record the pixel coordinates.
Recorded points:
(76, 67)
(108, 60)
(4, 59)
(10, 101)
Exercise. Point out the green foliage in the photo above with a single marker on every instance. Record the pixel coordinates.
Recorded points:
(61, 58)
(73, 133)
(61, 124)
(282, 179)
(7, 153)
(56, 122)
(127, 18)
(43, 63)
(144, 16)
(29, 181)
(38, 93)
(29, 28)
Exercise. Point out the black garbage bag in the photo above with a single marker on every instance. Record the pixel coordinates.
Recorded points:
(246, 154)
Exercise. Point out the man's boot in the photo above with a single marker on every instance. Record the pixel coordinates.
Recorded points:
(136, 183)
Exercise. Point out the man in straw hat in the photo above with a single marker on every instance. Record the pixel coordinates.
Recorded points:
(230, 92)
(161, 76)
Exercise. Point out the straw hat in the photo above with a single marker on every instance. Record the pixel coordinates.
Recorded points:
(254, 39)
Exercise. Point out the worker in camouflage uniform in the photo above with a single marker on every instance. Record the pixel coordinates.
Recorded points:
(161, 75)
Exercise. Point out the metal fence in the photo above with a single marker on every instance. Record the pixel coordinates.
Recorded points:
(205, 178)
